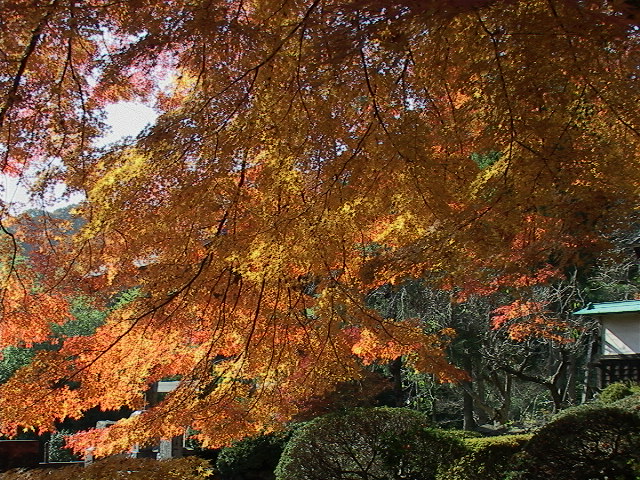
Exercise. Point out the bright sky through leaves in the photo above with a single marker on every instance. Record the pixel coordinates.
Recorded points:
(124, 119)
(305, 154)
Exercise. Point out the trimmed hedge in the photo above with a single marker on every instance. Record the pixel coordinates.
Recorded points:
(116, 468)
(586, 442)
(252, 457)
(630, 403)
(488, 458)
(367, 443)
(617, 391)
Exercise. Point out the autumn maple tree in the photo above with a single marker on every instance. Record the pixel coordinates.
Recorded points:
(306, 153)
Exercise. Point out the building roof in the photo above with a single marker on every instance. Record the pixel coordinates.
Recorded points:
(610, 307)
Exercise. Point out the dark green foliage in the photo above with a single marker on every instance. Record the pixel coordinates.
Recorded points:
(584, 443)
(487, 458)
(85, 319)
(631, 403)
(118, 467)
(485, 160)
(368, 443)
(253, 457)
(464, 434)
(57, 450)
(12, 359)
(617, 391)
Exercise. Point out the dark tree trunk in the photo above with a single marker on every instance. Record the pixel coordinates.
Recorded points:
(395, 368)
(468, 422)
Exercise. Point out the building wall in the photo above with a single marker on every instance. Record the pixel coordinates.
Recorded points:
(621, 334)
(19, 453)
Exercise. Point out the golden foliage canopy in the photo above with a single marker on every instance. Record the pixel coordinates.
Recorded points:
(306, 152)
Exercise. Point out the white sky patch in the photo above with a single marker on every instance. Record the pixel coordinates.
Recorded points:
(125, 119)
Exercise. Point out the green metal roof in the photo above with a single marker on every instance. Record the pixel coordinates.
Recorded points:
(610, 307)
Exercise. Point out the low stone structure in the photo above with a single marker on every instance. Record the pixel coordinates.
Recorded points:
(165, 448)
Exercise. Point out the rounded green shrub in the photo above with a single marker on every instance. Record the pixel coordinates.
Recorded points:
(366, 443)
(615, 392)
(487, 458)
(585, 442)
(251, 457)
(631, 403)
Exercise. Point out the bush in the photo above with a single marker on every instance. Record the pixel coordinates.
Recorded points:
(251, 457)
(112, 468)
(616, 391)
(630, 403)
(585, 442)
(486, 458)
(464, 435)
(368, 443)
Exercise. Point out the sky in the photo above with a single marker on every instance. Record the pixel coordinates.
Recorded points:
(124, 119)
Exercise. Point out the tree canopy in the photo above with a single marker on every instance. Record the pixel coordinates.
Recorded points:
(306, 152)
